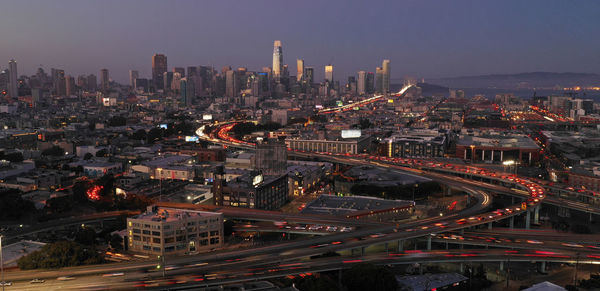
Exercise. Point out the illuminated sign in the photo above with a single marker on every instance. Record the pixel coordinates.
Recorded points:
(339, 103)
(191, 138)
(207, 117)
(390, 100)
(257, 180)
(351, 133)
(163, 126)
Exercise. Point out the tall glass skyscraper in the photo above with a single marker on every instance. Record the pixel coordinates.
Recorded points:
(13, 90)
(329, 73)
(300, 70)
(379, 80)
(277, 60)
(159, 67)
(386, 76)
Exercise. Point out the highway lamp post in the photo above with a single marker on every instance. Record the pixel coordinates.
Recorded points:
(576, 266)
(1, 264)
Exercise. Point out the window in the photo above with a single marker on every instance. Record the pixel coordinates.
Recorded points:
(204, 242)
(169, 240)
(169, 249)
(155, 240)
(180, 238)
(146, 232)
(156, 249)
(214, 240)
(192, 236)
(204, 234)
(137, 237)
(136, 230)
(146, 247)
(156, 233)
(214, 232)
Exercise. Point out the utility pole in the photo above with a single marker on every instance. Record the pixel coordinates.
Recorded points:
(1, 264)
(507, 272)
(576, 265)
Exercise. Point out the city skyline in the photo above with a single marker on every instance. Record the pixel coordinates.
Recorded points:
(466, 38)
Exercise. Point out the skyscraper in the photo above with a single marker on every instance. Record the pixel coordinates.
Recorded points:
(104, 79)
(133, 74)
(370, 83)
(386, 76)
(231, 84)
(179, 70)
(361, 86)
(277, 60)
(309, 75)
(300, 70)
(92, 83)
(329, 73)
(379, 80)
(13, 90)
(167, 80)
(69, 85)
(159, 67)
(58, 82)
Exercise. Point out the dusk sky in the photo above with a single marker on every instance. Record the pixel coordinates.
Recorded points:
(421, 38)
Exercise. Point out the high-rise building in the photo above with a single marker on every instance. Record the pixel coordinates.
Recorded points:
(69, 85)
(176, 83)
(179, 70)
(187, 91)
(386, 76)
(379, 80)
(309, 75)
(277, 60)
(300, 70)
(37, 96)
(361, 86)
(58, 82)
(13, 88)
(329, 74)
(92, 83)
(104, 79)
(159, 67)
(133, 74)
(370, 83)
(231, 84)
(167, 80)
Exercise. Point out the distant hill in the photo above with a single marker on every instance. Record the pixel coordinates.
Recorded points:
(521, 80)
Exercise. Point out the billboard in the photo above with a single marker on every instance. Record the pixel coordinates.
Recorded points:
(192, 138)
(339, 103)
(163, 126)
(207, 117)
(351, 133)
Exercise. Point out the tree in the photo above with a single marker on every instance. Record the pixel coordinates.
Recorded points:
(364, 123)
(59, 204)
(13, 206)
(140, 134)
(58, 255)
(117, 121)
(14, 157)
(88, 156)
(85, 235)
(116, 242)
(228, 227)
(54, 151)
(369, 277)
(101, 153)
(154, 134)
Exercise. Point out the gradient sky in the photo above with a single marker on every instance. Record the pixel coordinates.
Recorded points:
(430, 39)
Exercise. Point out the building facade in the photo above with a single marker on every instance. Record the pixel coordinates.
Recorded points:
(170, 231)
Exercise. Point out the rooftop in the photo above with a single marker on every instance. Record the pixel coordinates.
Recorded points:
(171, 214)
(338, 205)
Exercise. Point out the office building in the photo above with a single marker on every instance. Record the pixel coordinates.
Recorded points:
(69, 85)
(174, 231)
(133, 74)
(379, 80)
(167, 80)
(13, 88)
(252, 190)
(104, 79)
(361, 86)
(415, 143)
(159, 67)
(187, 91)
(231, 84)
(92, 84)
(370, 83)
(329, 74)
(386, 76)
(277, 60)
(309, 76)
(179, 70)
(271, 158)
(299, 70)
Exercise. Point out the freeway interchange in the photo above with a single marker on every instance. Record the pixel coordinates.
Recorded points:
(290, 257)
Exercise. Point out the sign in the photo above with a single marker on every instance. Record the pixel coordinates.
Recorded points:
(524, 206)
(257, 180)
(351, 133)
(192, 138)
(207, 117)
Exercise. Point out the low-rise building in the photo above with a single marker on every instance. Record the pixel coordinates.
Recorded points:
(497, 147)
(170, 231)
(416, 143)
(252, 190)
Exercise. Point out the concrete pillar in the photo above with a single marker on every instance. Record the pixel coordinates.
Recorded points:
(429, 242)
(449, 191)
(447, 245)
(536, 214)
(543, 267)
(362, 251)
(501, 156)
(483, 155)
(590, 217)
(501, 265)
(530, 158)
(490, 225)
(512, 200)
(461, 268)
(386, 248)
(492, 159)
(511, 222)
(528, 219)
(400, 245)
(465, 154)
(468, 199)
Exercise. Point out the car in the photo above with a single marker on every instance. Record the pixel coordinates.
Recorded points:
(573, 245)
(535, 242)
(346, 229)
(34, 281)
(461, 221)
(5, 283)
(65, 278)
